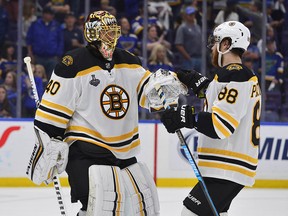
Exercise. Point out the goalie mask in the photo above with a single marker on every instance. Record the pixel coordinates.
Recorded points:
(102, 32)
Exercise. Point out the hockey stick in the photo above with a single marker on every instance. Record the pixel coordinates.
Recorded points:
(188, 154)
(56, 181)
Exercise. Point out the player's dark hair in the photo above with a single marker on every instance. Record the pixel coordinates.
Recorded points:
(238, 51)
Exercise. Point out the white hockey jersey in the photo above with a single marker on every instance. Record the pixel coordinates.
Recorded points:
(96, 101)
(234, 99)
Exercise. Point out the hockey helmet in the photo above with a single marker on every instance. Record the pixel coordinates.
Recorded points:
(236, 31)
(101, 31)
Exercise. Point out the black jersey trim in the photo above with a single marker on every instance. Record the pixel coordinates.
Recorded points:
(120, 144)
(51, 130)
(227, 160)
(227, 125)
(57, 113)
(142, 89)
(242, 75)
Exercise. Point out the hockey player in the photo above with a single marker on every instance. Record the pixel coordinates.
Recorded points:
(228, 126)
(91, 105)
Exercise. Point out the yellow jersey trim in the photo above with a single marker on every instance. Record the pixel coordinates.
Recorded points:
(98, 135)
(227, 167)
(219, 126)
(52, 118)
(228, 153)
(57, 107)
(226, 116)
(115, 149)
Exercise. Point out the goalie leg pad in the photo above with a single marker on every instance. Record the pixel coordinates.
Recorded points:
(106, 191)
(141, 191)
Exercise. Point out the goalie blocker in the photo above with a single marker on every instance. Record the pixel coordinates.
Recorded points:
(49, 156)
(127, 192)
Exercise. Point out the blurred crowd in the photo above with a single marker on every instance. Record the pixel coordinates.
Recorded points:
(51, 28)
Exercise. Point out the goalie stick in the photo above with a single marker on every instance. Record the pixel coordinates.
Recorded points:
(188, 154)
(56, 180)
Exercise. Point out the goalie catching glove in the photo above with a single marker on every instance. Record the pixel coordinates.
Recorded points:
(194, 80)
(174, 119)
(48, 157)
(170, 85)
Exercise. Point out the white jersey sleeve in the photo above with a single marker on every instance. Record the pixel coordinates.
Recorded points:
(233, 100)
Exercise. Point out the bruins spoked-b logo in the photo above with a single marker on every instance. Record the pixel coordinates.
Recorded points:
(114, 102)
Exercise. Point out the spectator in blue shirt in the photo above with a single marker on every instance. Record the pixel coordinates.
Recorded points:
(274, 66)
(127, 40)
(10, 84)
(45, 41)
(6, 107)
(28, 101)
(73, 37)
(137, 23)
(8, 59)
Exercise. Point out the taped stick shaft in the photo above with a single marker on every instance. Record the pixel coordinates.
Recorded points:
(27, 61)
(56, 181)
(188, 154)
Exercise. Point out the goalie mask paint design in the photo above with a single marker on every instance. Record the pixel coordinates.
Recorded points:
(101, 31)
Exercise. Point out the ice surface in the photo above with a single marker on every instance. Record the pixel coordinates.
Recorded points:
(43, 202)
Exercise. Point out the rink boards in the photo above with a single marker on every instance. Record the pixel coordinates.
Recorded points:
(160, 151)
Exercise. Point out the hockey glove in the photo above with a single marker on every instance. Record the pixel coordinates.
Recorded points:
(194, 80)
(174, 119)
(49, 156)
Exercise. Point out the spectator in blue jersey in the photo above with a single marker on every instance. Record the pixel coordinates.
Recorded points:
(274, 66)
(127, 40)
(45, 41)
(73, 37)
(8, 59)
(6, 107)
(10, 84)
(137, 23)
(28, 101)
(159, 59)
(4, 22)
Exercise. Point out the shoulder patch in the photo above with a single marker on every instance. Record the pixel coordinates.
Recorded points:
(67, 60)
(234, 67)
